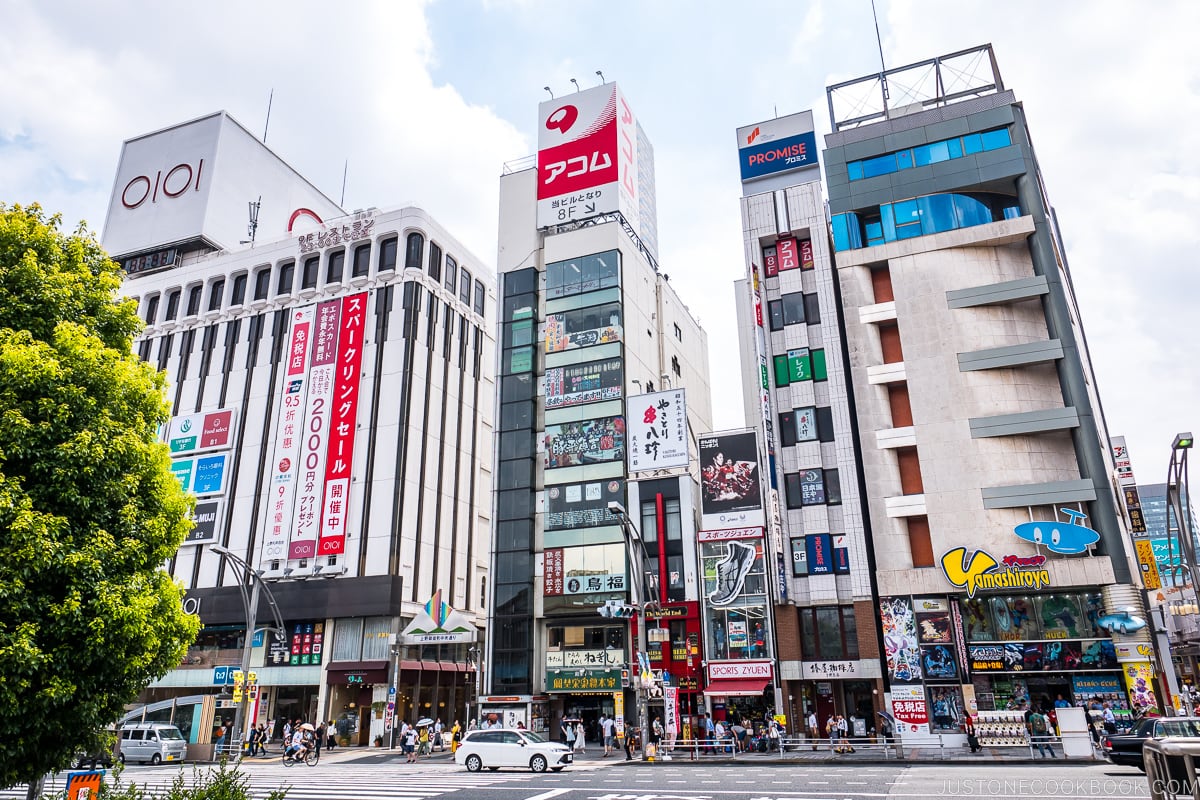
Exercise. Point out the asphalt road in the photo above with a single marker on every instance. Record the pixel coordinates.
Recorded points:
(615, 780)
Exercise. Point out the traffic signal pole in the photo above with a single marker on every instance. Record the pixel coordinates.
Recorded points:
(640, 600)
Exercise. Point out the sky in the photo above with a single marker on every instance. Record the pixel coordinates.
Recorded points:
(424, 102)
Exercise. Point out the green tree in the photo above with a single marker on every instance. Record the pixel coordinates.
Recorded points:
(89, 509)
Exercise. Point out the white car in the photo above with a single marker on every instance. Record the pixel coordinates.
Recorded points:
(498, 747)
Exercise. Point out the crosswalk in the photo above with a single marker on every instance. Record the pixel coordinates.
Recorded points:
(332, 781)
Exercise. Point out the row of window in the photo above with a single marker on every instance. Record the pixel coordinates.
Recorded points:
(812, 487)
(582, 274)
(793, 308)
(920, 216)
(926, 154)
(457, 281)
(800, 365)
(828, 634)
(807, 424)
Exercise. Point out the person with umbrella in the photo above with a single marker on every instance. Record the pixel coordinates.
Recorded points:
(423, 736)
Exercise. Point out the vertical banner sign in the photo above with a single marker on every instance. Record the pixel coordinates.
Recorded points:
(288, 436)
(657, 428)
(760, 346)
(344, 419)
(315, 433)
(671, 710)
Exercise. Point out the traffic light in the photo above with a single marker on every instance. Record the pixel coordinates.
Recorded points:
(617, 610)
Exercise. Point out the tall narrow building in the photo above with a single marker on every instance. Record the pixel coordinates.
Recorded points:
(603, 384)
(1000, 551)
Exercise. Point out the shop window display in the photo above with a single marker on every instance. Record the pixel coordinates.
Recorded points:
(945, 709)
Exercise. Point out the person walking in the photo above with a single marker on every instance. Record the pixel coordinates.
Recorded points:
(580, 738)
(831, 730)
(438, 742)
(568, 732)
(1039, 733)
(811, 724)
(319, 737)
(331, 730)
(844, 734)
(408, 739)
(455, 737)
(608, 728)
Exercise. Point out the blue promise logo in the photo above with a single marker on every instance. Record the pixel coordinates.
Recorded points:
(1060, 537)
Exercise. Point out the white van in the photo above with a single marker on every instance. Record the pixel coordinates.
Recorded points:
(155, 742)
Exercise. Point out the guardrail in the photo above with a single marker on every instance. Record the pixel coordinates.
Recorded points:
(1171, 767)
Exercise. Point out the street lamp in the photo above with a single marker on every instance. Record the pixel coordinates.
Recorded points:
(641, 600)
(1179, 500)
(248, 575)
(475, 657)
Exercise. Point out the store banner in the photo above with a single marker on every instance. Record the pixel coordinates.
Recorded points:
(658, 435)
(288, 436)
(335, 510)
(730, 481)
(315, 432)
(910, 710)
(584, 383)
(582, 505)
(671, 710)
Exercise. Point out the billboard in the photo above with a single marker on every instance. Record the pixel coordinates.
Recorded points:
(587, 157)
(198, 433)
(203, 476)
(207, 517)
(584, 383)
(582, 505)
(571, 330)
(591, 441)
(343, 418)
(658, 435)
(730, 481)
(777, 145)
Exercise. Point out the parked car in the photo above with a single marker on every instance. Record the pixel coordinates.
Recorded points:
(155, 742)
(495, 748)
(1126, 749)
(99, 757)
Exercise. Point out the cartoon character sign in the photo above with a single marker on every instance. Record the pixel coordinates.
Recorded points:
(938, 662)
(900, 639)
(1060, 537)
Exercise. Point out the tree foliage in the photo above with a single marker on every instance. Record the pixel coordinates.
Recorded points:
(89, 510)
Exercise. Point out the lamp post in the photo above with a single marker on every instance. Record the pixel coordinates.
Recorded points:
(248, 575)
(1179, 500)
(640, 600)
(475, 657)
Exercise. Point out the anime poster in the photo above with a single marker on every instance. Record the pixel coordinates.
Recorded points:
(1032, 657)
(1139, 678)
(1061, 655)
(1099, 654)
(900, 639)
(946, 705)
(977, 620)
(592, 441)
(1014, 657)
(1014, 618)
(729, 475)
(1060, 616)
(934, 628)
(938, 662)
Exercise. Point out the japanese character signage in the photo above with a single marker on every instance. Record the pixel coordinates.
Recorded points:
(593, 584)
(207, 516)
(570, 680)
(819, 552)
(573, 659)
(582, 505)
(343, 422)
(359, 228)
(813, 670)
(658, 435)
(307, 643)
(591, 441)
(196, 433)
(315, 432)
(289, 435)
(552, 572)
(730, 481)
(910, 710)
(584, 383)
(1133, 499)
(587, 157)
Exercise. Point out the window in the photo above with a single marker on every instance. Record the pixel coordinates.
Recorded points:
(336, 266)
(812, 309)
(926, 154)
(675, 367)
(464, 286)
(239, 290)
(825, 424)
(387, 255)
(775, 312)
(819, 370)
(833, 488)
(799, 557)
(285, 278)
(215, 295)
(828, 633)
(793, 308)
(678, 332)
(582, 274)
(480, 298)
(435, 262)
(787, 428)
(451, 273)
(262, 283)
(152, 309)
(791, 491)
(362, 261)
(309, 279)
(781, 370)
(812, 487)
(173, 304)
(193, 307)
(416, 246)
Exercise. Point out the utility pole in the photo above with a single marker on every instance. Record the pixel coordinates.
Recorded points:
(641, 598)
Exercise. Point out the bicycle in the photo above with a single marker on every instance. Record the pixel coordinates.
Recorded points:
(308, 756)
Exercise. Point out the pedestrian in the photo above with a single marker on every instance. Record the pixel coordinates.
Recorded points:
(773, 736)
(409, 739)
(813, 733)
(1039, 733)
(630, 742)
(608, 729)
(709, 732)
(423, 748)
(831, 730)
(568, 732)
(437, 735)
(287, 731)
(580, 738)
(844, 734)
(472, 724)
(331, 742)
(719, 737)
(219, 741)
(319, 737)
(455, 737)
(968, 728)
(1110, 719)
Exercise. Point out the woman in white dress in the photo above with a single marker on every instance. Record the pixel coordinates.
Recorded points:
(580, 742)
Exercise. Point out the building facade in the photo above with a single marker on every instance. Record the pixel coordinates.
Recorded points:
(999, 546)
(331, 385)
(603, 382)
(797, 397)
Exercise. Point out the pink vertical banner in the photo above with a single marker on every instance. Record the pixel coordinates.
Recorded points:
(285, 467)
(315, 433)
(344, 419)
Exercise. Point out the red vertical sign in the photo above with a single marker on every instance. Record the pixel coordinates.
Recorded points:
(788, 254)
(343, 419)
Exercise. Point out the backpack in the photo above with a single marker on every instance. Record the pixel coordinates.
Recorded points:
(1038, 723)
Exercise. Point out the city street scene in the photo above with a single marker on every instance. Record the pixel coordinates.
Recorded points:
(547, 463)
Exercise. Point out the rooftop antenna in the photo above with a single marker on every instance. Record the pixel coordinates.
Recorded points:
(252, 229)
(267, 124)
(547, 88)
(601, 74)
(882, 68)
(345, 169)
(576, 84)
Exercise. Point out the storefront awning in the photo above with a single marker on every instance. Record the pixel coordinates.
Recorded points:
(751, 687)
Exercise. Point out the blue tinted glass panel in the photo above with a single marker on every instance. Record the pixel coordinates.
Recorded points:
(972, 144)
(907, 211)
(854, 170)
(955, 147)
(937, 213)
(904, 159)
(881, 165)
(995, 139)
(931, 153)
(874, 233)
(971, 211)
(1012, 212)
(845, 232)
(889, 222)
(908, 231)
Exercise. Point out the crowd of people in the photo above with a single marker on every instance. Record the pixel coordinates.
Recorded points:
(297, 738)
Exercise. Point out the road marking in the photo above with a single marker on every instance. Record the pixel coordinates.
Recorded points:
(548, 795)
